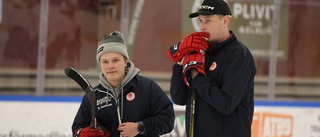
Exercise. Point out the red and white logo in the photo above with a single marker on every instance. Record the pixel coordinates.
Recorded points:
(130, 96)
(213, 66)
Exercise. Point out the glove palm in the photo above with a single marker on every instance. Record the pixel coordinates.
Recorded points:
(91, 132)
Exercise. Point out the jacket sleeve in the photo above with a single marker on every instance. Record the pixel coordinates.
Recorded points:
(237, 82)
(162, 113)
(83, 116)
(178, 90)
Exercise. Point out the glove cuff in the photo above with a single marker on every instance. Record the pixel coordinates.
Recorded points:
(77, 133)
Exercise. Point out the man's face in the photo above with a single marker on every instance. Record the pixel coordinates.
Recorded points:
(215, 25)
(113, 67)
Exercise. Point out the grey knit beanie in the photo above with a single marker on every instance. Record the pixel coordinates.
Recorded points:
(114, 42)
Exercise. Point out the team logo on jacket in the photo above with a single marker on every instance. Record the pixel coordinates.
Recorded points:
(130, 96)
(104, 102)
(213, 66)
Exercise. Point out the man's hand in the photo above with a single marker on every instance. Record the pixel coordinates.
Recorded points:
(192, 61)
(195, 42)
(128, 129)
(91, 132)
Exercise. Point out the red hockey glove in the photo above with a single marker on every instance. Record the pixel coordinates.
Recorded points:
(194, 60)
(194, 42)
(91, 132)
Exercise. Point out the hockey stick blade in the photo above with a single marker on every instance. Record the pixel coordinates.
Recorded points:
(78, 77)
(87, 88)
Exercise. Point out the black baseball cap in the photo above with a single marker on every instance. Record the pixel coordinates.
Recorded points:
(210, 7)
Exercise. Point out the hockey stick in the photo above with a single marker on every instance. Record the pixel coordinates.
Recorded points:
(192, 112)
(87, 88)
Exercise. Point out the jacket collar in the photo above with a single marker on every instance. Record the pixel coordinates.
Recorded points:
(217, 46)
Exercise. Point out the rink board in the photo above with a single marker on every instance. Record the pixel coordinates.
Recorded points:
(53, 116)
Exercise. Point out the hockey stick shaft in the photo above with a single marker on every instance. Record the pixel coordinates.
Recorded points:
(87, 88)
(192, 112)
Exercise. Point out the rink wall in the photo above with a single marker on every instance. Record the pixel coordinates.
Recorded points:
(52, 116)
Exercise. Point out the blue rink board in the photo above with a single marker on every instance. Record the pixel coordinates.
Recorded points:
(31, 98)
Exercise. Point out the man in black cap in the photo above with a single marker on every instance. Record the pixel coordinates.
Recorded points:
(217, 79)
